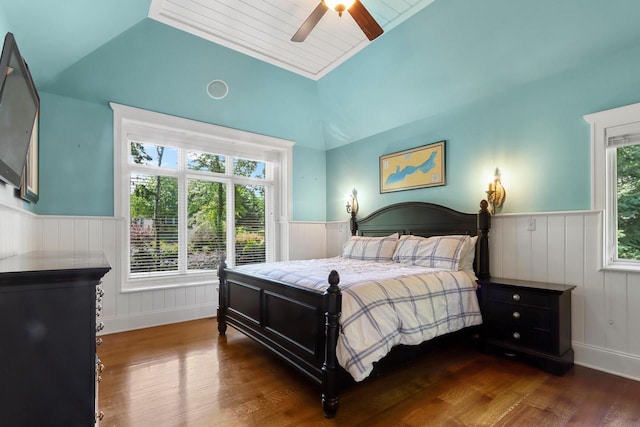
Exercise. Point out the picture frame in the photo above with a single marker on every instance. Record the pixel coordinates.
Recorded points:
(418, 167)
(29, 188)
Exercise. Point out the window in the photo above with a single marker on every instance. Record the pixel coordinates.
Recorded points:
(190, 193)
(615, 136)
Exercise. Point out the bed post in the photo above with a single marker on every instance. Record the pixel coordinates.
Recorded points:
(333, 310)
(484, 224)
(223, 290)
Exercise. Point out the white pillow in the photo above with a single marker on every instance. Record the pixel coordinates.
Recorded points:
(370, 248)
(468, 254)
(436, 252)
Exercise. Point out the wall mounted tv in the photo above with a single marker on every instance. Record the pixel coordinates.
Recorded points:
(19, 105)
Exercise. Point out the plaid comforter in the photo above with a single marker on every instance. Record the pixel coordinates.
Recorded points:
(384, 303)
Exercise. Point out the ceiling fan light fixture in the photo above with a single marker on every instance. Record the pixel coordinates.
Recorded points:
(356, 9)
(339, 5)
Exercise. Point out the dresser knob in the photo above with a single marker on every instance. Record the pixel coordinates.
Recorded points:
(516, 297)
(100, 416)
(516, 336)
(98, 341)
(516, 315)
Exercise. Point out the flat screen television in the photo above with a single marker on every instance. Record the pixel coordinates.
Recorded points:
(19, 105)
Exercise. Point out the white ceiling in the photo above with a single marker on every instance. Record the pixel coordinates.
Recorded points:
(263, 28)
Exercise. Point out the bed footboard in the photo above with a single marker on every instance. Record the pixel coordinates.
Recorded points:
(263, 309)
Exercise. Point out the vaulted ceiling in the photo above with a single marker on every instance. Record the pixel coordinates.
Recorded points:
(54, 35)
(263, 28)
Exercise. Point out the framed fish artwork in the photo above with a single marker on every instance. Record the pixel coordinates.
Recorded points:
(415, 168)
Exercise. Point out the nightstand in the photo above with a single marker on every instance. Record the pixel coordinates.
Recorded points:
(528, 320)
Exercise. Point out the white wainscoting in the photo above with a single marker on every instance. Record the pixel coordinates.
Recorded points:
(130, 310)
(141, 309)
(337, 235)
(307, 240)
(18, 231)
(565, 247)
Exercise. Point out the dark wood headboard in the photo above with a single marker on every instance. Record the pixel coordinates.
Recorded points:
(428, 219)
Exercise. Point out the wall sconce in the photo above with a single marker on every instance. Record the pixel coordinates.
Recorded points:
(496, 193)
(352, 208)
(352, 203)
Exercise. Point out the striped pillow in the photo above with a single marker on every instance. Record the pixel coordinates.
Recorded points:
(370, 248)
(436, 252)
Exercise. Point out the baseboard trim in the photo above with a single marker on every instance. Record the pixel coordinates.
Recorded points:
(117, 324)
(606, 360)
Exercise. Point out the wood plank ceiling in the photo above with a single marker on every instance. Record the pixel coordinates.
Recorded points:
(263, 28)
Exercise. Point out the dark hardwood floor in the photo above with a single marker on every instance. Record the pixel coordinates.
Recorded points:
(186, 375)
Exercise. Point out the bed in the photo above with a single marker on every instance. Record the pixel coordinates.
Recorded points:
(302, 320)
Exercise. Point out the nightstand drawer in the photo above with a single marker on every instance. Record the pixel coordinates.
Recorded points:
(518, 296)
(513, 315)
(533, 339)
(519, 325)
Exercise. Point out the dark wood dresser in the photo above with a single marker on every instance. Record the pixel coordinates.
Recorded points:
(48, 359)
(528, 320)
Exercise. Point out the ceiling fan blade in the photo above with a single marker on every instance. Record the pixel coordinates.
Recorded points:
(310, 23)
(365, 21)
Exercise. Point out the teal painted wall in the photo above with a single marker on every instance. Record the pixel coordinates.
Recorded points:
(158, 68)
(504, 83)
(78, 26)
(309, 183)
(455, 53)
(535, 134)
(4, 23)
(76, 157)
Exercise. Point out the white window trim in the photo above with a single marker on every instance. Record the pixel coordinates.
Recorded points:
(130, 121)
(604, 125)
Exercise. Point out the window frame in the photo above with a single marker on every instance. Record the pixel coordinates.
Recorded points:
(606, 125)
(157, 128)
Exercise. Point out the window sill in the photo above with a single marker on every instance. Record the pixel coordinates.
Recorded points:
(173, 281)
(622, 267)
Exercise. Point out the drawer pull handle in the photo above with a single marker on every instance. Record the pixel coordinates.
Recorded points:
(516, 297)
(516, 336)
(516, 315)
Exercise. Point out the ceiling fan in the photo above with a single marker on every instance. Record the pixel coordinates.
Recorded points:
(361, 15)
